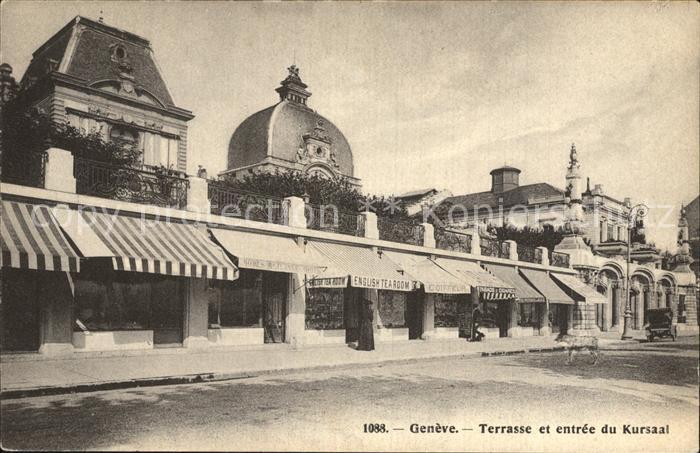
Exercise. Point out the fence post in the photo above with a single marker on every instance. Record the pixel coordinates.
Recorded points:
(59, 171)
(544, 253)
(293, 210)
(428, 235)
(198, 195)
(476, 241)
(370, 222)
(512, 250)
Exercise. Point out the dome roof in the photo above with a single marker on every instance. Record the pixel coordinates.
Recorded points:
(292, 132)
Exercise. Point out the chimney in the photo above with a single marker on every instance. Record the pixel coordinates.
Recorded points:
(504, 179)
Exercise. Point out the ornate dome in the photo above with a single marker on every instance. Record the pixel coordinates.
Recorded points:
(290, 135)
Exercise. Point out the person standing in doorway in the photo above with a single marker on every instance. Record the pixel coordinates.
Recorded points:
(366, 340)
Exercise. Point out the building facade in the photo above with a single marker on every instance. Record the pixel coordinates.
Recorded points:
(99, 257)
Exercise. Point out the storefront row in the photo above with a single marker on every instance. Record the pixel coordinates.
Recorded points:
(102, 309)
(115, 282)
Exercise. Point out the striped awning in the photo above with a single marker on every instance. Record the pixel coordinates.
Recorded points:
(523, 291)
(545, 285)
(489, 286)
(579, 290)
(152, 246)
(435, 280)
(266, 252)
(31, 239)
(360, 267)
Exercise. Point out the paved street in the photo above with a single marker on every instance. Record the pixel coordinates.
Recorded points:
(645, 384)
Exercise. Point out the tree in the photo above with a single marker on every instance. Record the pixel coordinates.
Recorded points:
(547, 236)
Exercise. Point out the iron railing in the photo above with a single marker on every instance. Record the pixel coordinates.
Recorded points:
(229, 202)
(529, 254)
(139, 185)
(493, 247)
(558, 259)
(453, 240)
(403, 232)
(26, 170)
(328, 218)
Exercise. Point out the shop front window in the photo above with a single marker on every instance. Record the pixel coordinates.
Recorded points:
(527, 315)
(447, 310)
(489, 314)
(237, 303)
(127, 301)
(324, 308)
(392, 308)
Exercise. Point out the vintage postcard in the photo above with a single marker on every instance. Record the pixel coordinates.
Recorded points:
(349, 226)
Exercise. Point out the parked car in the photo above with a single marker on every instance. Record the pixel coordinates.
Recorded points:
(659, 324)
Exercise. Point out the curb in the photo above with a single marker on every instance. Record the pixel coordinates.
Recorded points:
(218, 377)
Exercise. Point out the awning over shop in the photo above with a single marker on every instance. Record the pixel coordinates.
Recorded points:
(545, 285)
(523, 291)
(267, 252)
(580, 291)
(153, 246)
(361, 267)
(433, 278)
(32, 239)
(490, 287)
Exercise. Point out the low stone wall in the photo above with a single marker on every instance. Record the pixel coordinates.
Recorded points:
(335, 336)
(236, 336)
(445, 333)
(113, 341)
(391, 334)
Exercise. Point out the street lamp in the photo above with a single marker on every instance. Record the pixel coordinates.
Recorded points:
(637, 211)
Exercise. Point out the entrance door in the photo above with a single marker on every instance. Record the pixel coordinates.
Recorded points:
(559, 317)
(351, 313)
(167, 311)
(274, 312)
(504, 309)
(414, 314)
(19, 310)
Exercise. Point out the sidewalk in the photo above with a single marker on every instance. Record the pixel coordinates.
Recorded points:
(76, 373)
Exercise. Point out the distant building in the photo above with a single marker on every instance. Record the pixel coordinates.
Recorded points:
(536, 205)
(415, 200)
(290, 136)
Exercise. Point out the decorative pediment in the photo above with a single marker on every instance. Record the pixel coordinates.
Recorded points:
(317, 148)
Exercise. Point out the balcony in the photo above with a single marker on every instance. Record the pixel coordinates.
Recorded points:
(229, 202)
(147, 185)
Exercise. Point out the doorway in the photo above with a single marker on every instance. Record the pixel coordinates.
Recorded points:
(351, 313)
(414, 313)
(559, 318)
(274, 293)
(19, 310)
(167, 311)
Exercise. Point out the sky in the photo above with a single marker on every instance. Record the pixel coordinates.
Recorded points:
(435, 94)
